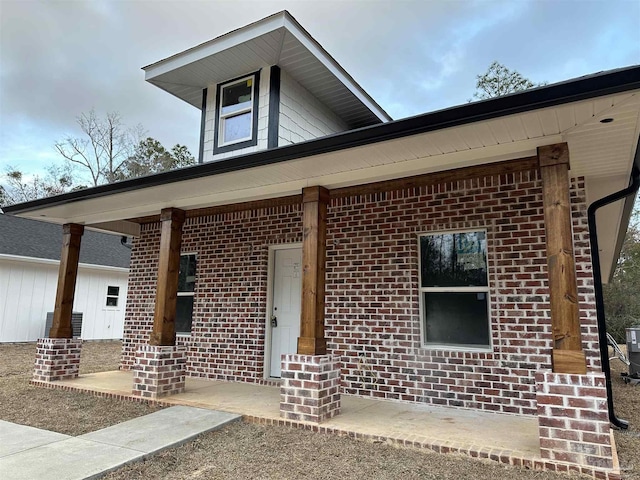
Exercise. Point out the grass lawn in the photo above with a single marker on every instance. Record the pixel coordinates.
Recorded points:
(248, 451)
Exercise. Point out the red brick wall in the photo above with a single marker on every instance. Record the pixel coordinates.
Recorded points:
(230, 297)
(373, 318)
(372, 303)
(141, 291)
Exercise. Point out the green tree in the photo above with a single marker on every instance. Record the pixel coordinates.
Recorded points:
(150, 157)
(499, 80)
(622, 293)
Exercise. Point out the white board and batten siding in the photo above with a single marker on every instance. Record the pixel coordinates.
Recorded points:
(28, 290)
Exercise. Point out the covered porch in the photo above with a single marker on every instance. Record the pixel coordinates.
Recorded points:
(508, 439)
(565, 387)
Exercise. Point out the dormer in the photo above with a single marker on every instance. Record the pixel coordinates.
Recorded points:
(263, 86)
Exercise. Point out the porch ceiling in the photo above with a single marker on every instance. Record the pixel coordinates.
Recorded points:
(275, 40)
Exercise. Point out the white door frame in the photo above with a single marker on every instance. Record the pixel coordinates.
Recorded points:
(267, 315)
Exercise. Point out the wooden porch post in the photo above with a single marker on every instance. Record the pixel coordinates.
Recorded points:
(164, 318)
(312, 341)
(67, 274)
(568, 356)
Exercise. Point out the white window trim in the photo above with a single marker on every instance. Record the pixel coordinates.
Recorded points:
(480, 289)
(222, 116)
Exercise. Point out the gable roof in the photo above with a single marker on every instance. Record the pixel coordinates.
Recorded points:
(275, 40)
(31, 238)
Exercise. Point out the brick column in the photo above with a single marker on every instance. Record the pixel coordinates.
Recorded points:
(310, 390)
(573, 419)
(159, 371)
(57, 359)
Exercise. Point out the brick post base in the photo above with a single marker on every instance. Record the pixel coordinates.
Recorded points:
(159, 371)
(310, 388)
(57, 359)
(573, 419)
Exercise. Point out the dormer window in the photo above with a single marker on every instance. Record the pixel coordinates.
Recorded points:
(237, 113)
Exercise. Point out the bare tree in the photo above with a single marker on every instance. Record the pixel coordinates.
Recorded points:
(103, 149)
(20, 187)
(499, 80)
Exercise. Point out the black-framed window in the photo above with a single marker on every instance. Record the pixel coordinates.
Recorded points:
(113, 294)
(236, 123)
(186, 288)
(454, 289)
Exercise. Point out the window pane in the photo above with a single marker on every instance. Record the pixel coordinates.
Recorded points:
(113, 291)
(112, 301)
(237, 96)
(187, 273)
(456, 318)
(184, 313)
(454, 259)
(237, 128)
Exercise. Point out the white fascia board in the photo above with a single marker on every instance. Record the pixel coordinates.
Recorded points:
(214, 46)
(334, 67)
(49, 261)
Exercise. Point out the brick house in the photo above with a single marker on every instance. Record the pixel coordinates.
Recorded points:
(442, 259)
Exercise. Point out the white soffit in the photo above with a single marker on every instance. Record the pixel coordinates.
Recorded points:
(275, 40)
(596, 150)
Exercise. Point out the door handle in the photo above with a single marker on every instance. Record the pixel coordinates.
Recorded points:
(274, 321)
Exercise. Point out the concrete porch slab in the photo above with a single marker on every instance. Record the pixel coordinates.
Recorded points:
(404, 423)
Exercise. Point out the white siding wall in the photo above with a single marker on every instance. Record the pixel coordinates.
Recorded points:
(302, 116)
(263, 120)
(28, 290)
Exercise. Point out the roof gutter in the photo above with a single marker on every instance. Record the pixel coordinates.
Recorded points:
(591, 86)
(632, 189)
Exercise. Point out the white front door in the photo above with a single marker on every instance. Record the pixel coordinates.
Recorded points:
(285, 305)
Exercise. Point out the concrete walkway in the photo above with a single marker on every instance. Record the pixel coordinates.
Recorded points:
(28, 453)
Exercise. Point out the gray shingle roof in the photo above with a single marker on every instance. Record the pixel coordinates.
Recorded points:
(31, 238)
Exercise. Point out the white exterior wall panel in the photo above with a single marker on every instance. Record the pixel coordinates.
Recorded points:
(302, 116)
(28, 290)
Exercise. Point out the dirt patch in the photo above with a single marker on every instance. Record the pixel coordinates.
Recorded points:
(626, 402)
(70, 413)
(248, 451)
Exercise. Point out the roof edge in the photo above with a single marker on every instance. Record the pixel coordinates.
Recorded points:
(225, 36)
(591, 86)
(282, 19)
(627, 212)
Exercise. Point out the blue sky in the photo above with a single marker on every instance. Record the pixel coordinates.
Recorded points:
(59, 59)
